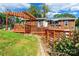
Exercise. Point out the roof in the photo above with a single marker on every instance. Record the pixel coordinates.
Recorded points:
(42, 18)
(59, 19)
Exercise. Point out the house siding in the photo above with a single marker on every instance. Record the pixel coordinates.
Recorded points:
(70, 25)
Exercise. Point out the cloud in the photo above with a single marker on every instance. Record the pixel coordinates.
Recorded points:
(51, 14)
(56, 7)
(69, 5)
(27, 5)
(14, 6)
(74, 8)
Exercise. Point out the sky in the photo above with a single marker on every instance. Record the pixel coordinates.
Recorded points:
(55, 8)
(59, 8)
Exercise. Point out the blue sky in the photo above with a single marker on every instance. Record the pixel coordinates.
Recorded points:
(58, 8)
(55, 8)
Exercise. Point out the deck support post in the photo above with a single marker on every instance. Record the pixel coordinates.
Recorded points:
(54, 35)
(54, 38)
(47, 37)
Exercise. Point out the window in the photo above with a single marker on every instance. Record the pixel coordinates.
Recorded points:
(45, 24)
(39, 24)
(66, 23)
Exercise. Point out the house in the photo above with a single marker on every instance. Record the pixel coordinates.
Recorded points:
(51, 29)
(64, 23)
(59, 27)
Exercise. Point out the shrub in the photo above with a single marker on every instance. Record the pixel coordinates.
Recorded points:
(68, 46)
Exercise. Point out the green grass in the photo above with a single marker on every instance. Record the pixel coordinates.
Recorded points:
(15, 44)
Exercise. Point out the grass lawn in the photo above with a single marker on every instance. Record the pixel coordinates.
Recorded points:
(14, 44)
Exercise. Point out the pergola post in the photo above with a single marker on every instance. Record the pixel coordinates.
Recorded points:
(6, 22)
(25, 27)
(30, 25)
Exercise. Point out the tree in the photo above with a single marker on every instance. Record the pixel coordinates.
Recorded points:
(45, 9)
(64, 15)
(77, 22)
(11, 20)
(34, 11)
(2, 20)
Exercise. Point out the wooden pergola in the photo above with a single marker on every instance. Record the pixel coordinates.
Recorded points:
(24, 15)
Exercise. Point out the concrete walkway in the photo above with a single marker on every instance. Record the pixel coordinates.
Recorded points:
(42, 48)
(42, 51)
